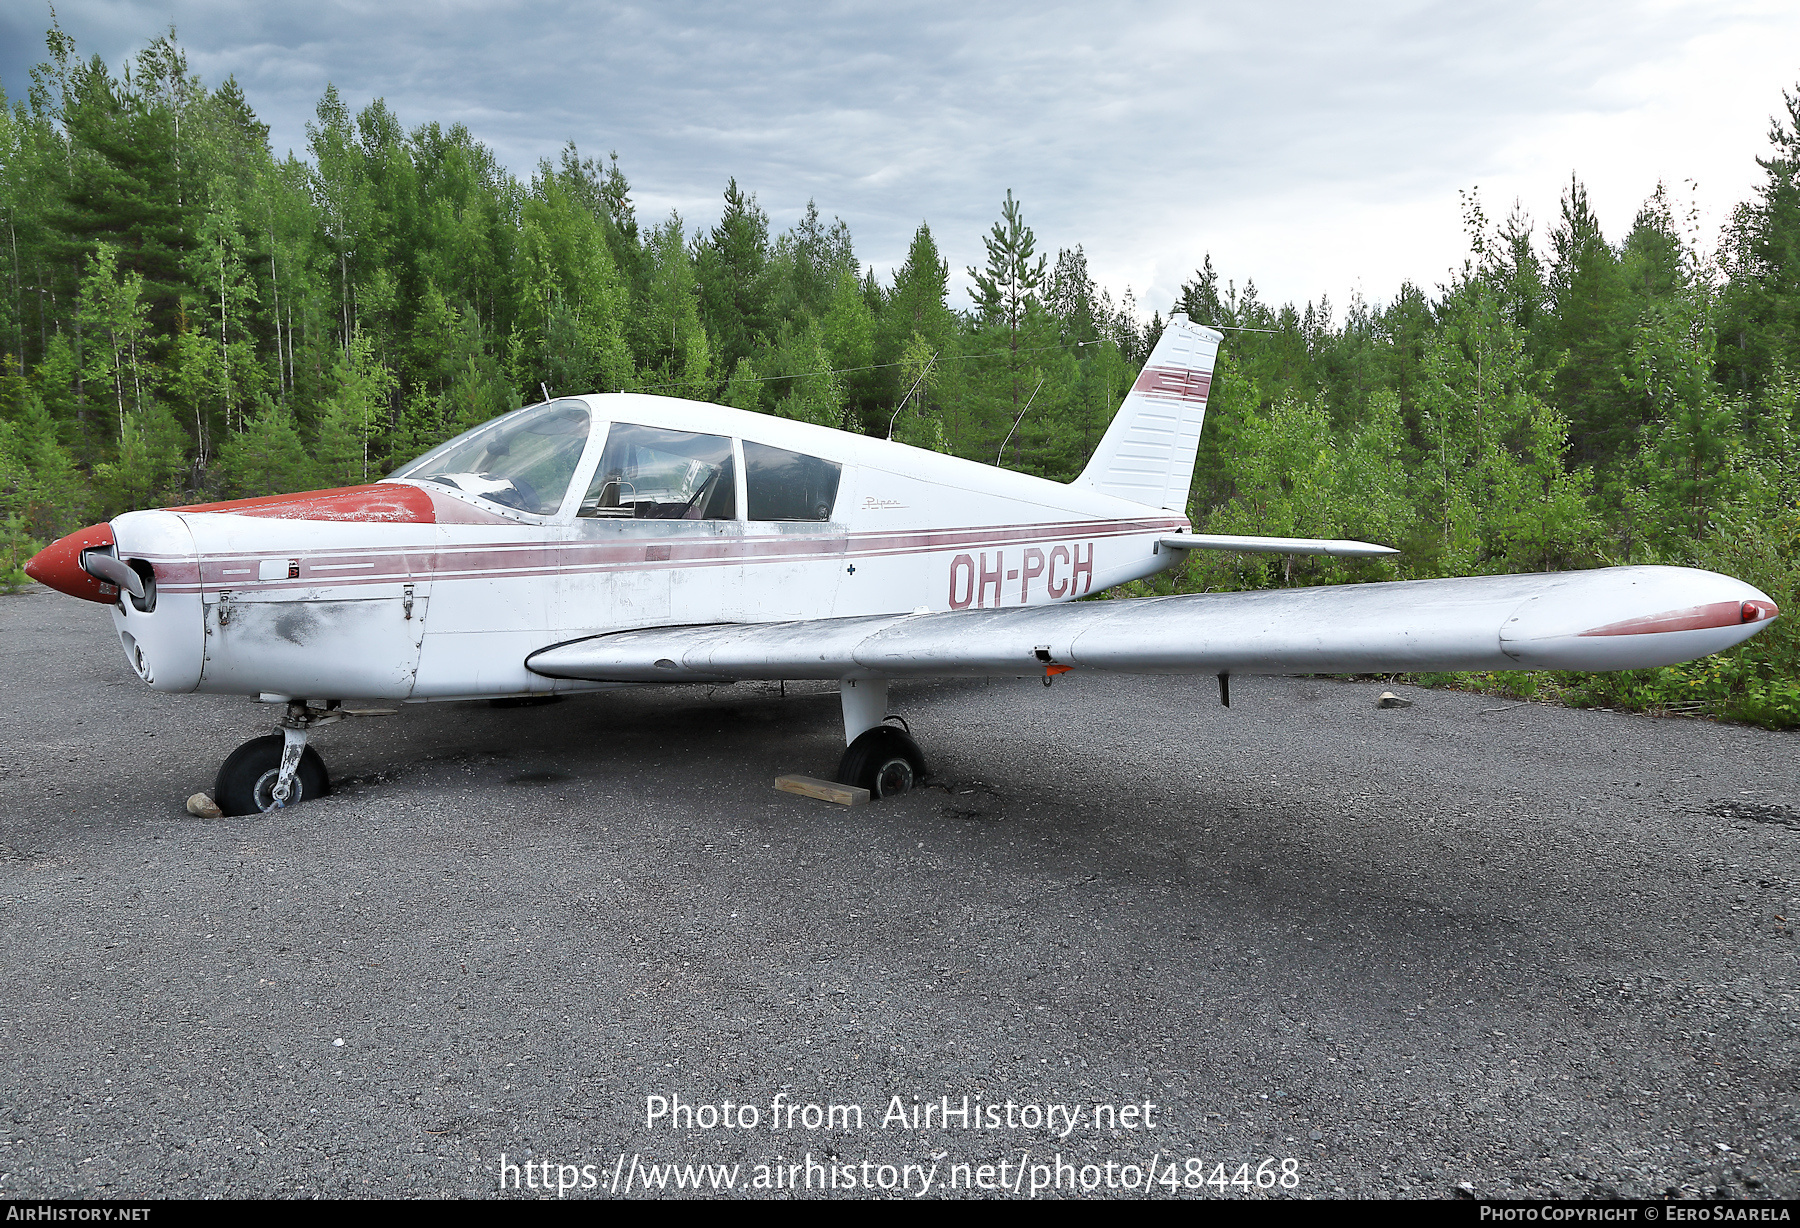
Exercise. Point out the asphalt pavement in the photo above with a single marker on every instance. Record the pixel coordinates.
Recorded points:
(1336, 949)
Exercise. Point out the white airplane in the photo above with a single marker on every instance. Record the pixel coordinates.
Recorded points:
(599, 541)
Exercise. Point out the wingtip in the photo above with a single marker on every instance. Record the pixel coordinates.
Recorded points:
(1356, 549)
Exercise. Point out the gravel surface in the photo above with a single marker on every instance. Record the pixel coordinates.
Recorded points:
(1543, 952)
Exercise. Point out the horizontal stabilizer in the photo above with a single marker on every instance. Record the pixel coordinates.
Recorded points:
(1276, 545)
(1614, 618)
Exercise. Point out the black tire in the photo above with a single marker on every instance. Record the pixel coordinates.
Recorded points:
(883, 760)
(247, 776)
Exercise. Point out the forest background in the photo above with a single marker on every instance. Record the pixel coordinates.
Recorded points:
(186, 318)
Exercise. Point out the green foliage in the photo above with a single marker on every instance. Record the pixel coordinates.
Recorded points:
(1759, 316)
(578, 303)
(1724, 687)
(111, 320)
(1299, 479)
(736, 284)
(351, 425)
(42, 487)
(143, 472)
(674, 353)
(917, 304)
(268, 456)
(15, 548)
(15, 544)
(744, 390)
(1010, 282)
(817, 390)
(848, 329)
(914, 421)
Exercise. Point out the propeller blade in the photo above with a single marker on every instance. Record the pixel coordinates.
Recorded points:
(113, 571)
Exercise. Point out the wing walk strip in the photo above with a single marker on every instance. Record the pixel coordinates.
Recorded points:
(500, 560)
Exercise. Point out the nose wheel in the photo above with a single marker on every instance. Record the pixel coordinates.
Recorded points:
(250, 781)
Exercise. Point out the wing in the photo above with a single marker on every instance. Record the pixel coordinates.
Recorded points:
(1614, 618)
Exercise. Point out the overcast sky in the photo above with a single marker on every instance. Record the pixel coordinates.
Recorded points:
(1316, 147)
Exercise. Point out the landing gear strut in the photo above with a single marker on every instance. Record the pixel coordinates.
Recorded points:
(279, 769)
(880, 758)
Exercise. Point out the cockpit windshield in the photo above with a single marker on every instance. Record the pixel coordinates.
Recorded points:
(522, 460)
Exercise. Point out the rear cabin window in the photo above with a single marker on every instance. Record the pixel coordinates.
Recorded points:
(647, 473)
(787, 485)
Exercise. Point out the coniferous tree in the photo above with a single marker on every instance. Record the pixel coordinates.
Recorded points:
(1587, 331)
(1200, 299)
(732, 264)
(1759, 315)
(1006, 298)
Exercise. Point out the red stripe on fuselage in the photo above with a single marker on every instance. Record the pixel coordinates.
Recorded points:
(501, 560)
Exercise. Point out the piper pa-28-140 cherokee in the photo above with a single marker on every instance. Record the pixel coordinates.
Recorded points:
(591, 542)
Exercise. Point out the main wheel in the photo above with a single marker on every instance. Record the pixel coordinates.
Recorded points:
(883, 760)
(246, 782)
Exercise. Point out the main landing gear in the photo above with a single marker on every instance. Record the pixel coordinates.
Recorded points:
(279, 769)
(878, 757)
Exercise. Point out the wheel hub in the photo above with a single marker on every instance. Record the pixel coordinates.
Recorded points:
(264, 792)
(893, 778)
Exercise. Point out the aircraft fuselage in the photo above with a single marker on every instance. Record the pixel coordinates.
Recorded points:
(411, 590)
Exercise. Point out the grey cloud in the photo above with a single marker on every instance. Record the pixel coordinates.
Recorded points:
(1109, 122)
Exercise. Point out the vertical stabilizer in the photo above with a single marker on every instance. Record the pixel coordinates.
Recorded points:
(1147, 455)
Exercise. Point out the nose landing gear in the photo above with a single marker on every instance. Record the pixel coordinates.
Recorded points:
(251, 780)
(279, 770)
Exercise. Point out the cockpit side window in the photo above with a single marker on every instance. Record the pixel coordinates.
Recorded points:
(523, 460)
(648, 473)
(787, 485)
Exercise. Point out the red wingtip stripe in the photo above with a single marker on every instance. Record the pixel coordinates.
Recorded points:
(1694, 618)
